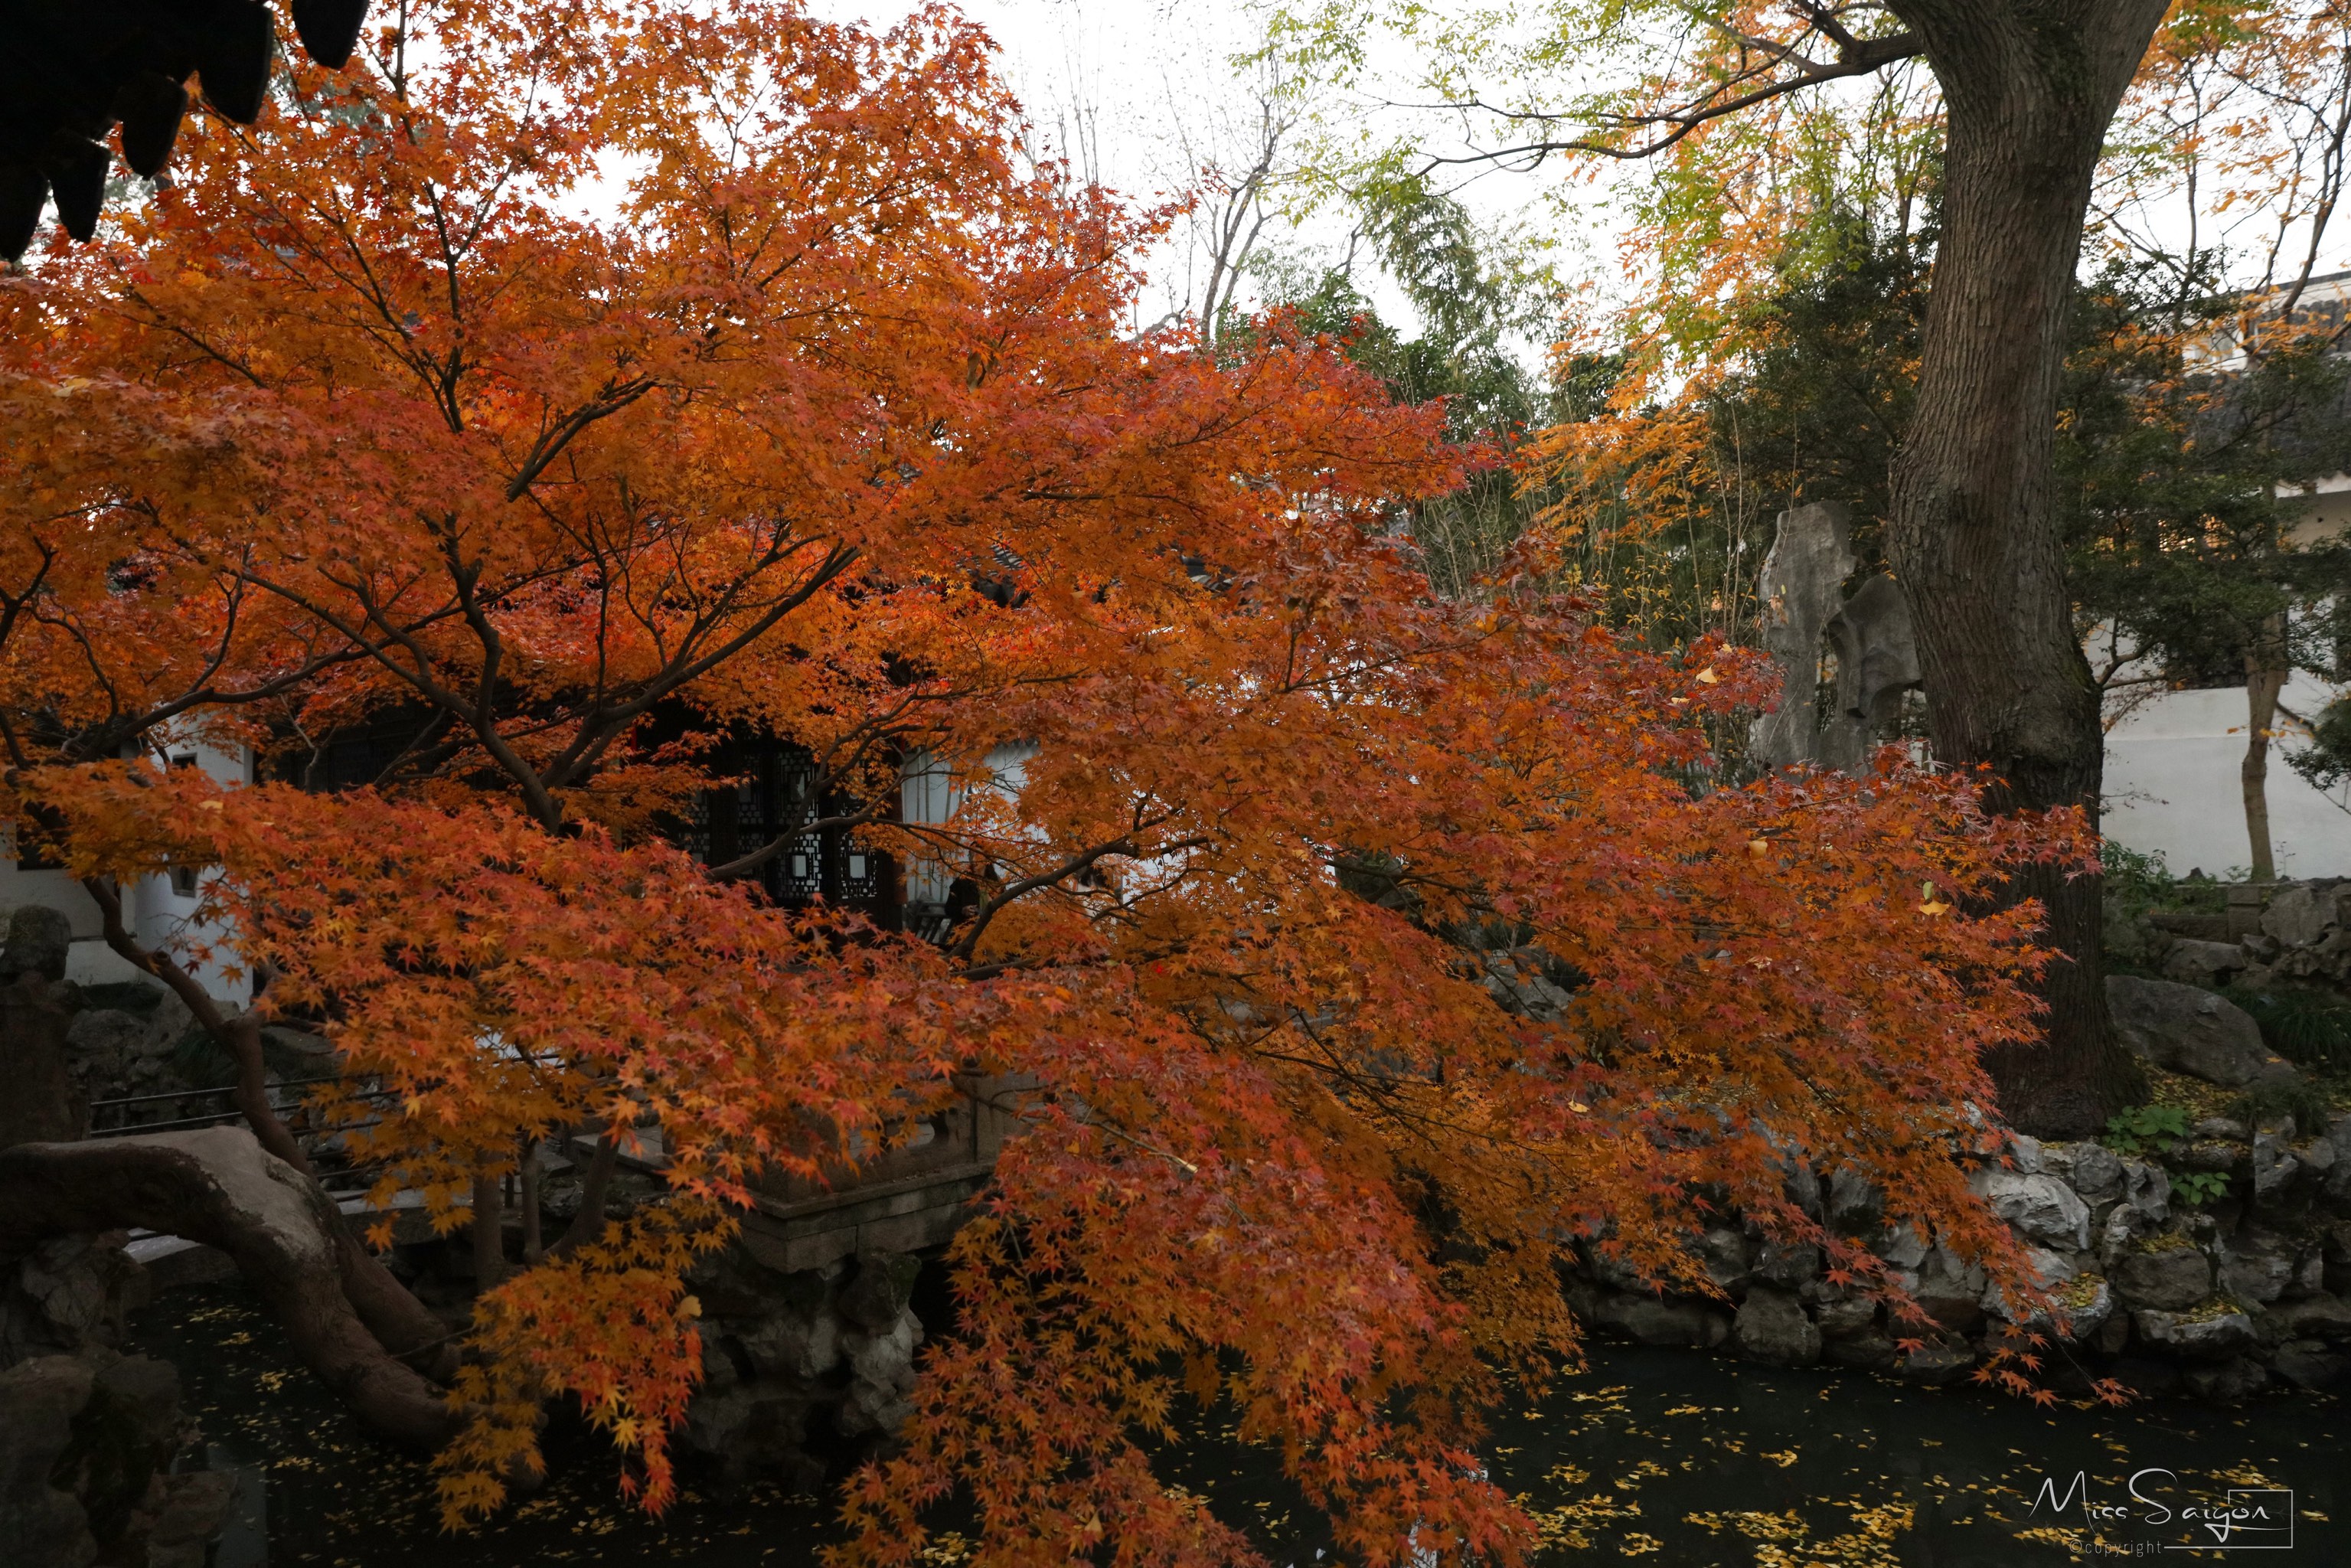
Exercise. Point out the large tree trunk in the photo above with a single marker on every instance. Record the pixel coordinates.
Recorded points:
(2030, 87)
(217, 1186)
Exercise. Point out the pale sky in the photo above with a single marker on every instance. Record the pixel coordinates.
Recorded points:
(1139, 93)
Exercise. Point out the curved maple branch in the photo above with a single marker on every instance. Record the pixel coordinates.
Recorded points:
(744, 866)
(397, 1318)
(217, 1186)
(552, 441)
(1855, 58)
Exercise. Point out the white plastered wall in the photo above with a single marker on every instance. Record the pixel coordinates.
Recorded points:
(2174, 760)
(158, 913)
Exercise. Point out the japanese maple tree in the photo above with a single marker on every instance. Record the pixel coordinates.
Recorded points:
(565, 370)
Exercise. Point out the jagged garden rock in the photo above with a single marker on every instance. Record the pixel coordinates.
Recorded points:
(878, 1293)
(40, 940)
(2040, 1205)
(2206, 1333)
(2306, 1363)
(2172, 1276)
(1937, 1363)
(1771, 1327)
(1652, 1320)
(2258, 1268)
(2227, 1383)
(2190, 1029)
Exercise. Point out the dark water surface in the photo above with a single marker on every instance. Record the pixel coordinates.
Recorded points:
(1669, 1457)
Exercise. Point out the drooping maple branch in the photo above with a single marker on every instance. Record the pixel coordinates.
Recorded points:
(398, 1318)
(218, 1186)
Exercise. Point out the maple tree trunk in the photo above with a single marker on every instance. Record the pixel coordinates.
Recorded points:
(2030, 89)
(488, 1229)
(217, 1186)
(589, 1223)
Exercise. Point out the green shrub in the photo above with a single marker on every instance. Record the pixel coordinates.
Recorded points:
(2305, 1027)
(2146, 1127)
(2198, 1188)
(2135, 881)
(2283, 1097)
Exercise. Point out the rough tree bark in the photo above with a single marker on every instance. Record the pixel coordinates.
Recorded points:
(2030, 88)
(218, 1186)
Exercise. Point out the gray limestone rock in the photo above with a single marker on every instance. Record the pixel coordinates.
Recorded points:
(2257, 1268)
(2298, 916)
(1803, 577)
(1788, 1267)
(2146, 1191)
(2050, 1271)
(1951, 1292)
(1877, 661)
(882, 1374)
(2317, 1157)
(2191, 1030)
(68, 1295)
(43, 1104)
(2088, 1304)
(1902, 1246)
(791, 1345)
(1652, 1320)
(40, 939)
(878, 1293)
(2172, 1278)
(2040, 1205)
(2090, 1169)
(1771, 1327)
(2227, 1383)
(2199, 1336)
(1855, 1205)
(1935, 1364)
(2307, 1364)
(39, 1522)
(2319, 1317)
(2275, 1170)
(2192, 961)
(1870, 1352)
(753, 1428)
(1728, 1260)
(100, 1045)
(1847, 1317)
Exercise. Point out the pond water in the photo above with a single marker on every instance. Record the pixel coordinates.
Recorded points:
(1675, 1457)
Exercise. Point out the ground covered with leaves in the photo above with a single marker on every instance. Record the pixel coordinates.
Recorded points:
(1662, 1454)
